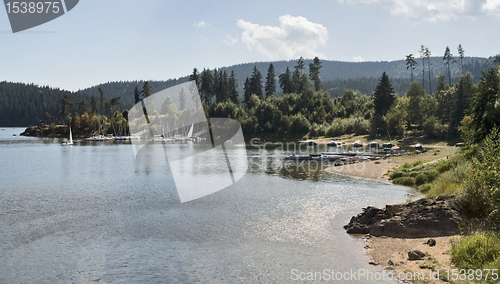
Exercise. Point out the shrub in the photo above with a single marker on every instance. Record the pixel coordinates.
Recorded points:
(477, 252)
(420, 179)
(396, 174)
(407, 181)
(482, 194)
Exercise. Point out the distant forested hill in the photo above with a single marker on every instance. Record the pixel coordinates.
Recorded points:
(336, 75)
(24, 104)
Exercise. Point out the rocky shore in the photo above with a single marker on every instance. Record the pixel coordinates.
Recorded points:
(427, 217)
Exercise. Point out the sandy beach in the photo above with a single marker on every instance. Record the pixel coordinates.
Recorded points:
(392, 253)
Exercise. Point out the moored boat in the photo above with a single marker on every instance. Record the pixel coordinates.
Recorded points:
(294, 157)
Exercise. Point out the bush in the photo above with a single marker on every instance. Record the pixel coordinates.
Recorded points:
(477, 252)
(407, 181)
(482, 194)
(420, 179)
(395, 175)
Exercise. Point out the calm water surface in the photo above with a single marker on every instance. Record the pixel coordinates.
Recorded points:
(90, 213)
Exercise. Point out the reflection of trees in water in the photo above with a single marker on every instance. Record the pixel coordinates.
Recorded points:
(301, 170)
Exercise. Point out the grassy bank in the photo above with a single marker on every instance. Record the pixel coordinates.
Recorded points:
(473, 174)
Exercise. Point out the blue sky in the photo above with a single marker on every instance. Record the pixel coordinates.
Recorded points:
(112, 40)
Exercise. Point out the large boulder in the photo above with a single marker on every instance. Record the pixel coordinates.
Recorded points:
(426, 217)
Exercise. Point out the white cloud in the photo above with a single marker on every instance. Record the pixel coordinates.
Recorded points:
(231, 41)
(295, 37)
(201, 24)
(437, 10)
(358, 59)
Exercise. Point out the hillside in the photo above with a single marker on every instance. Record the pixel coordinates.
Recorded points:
(24, 104)
(336, 75)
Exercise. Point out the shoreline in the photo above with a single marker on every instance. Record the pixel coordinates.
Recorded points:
(391, 253)
(378, 169)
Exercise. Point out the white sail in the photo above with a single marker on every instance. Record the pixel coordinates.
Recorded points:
(190, 133)
(70, 136)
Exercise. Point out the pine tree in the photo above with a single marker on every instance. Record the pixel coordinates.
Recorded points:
(300, 65)
(448, 58)
(485, 107)
(383, 97)
(428, 56)
(461, 52)
(195, 77)
(233, 88)
(410, 63)
(137, 95)
(146, 89)
(314, 73)
(416, 94)
(256, 83)
(248, 92)
(94, 104)
(207, 87)
(461, 104)
(422, 55)
(285, 81)
(270, 81)
(102, 97)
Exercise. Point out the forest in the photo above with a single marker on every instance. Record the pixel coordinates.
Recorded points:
(24, 104)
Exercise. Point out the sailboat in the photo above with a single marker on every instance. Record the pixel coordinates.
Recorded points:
(70, 142)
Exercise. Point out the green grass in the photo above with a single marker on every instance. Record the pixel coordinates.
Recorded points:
(480, 251)
(435, 178)
(408, 181)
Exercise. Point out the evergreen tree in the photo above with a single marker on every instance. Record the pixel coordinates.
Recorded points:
(82, 106)
(383, 97)
(300, 65)
(248, 92)
(314, 73)
(422, 55)
(410, 63)
(416, 95)
(285, 81)
(207, 86)
(270, 81)
(441, 83)
(256, 83)
(461, 52)
(428, 56)
(233, 88)
(94, 104)
(146, 89)
(195, 77)
(102, 97)
(461, 104)
(485, 105)
(137, 95)
(295, 81)
(66, 108)
(222, 87)
(303, 84)
(448, 59)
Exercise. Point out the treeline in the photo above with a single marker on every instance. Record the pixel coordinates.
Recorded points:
(24, 104)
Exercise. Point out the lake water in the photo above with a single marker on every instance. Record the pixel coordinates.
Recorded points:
(89, 213)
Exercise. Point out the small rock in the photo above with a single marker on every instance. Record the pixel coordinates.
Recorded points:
(389, 268)
(390, 262)
(416, 255)
(372, 263)
(431, 242)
